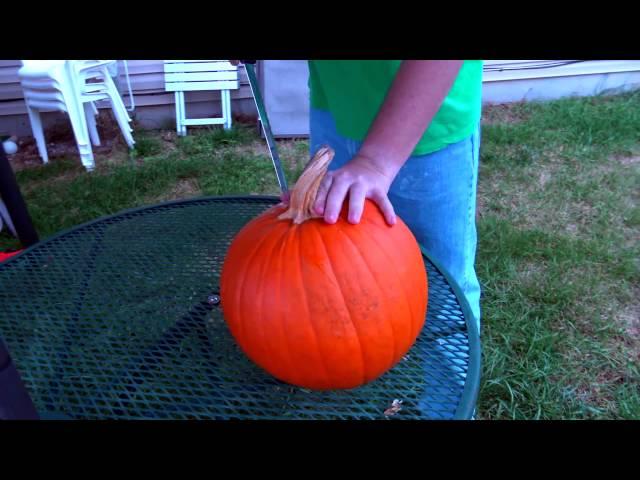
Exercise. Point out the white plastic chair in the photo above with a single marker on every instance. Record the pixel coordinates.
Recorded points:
(48, 86)
(63, 85)
(102, 87)
(115, 73)
(200, 75)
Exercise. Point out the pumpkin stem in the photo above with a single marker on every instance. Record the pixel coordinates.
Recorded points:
(305, 190)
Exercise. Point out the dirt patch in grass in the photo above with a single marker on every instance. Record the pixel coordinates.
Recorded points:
(517, 200)
(481, 207)
(599, 392)
(627, 161)
(254, 148)
(606, 342)
(559, 197)
(504, 113)
(169, 139)
(294, 153)
(530, 273)
(628, 317)
(64, 177)
(61, 143)
(287, 148)
(184, 188)
(543, 178)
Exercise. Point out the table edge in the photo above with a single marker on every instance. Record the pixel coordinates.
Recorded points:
(471, 390)
(470, 393)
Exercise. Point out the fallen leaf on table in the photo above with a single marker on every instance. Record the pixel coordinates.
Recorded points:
(394, 408)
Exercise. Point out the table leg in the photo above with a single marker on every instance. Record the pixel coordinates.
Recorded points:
(10, 194)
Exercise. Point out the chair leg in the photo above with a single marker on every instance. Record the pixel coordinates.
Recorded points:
(119, 111)
(117, 102)
(114, 94)
(183, 110)
(91, 123)
(226, 108)
(38, 133)
(80, 129)
(183, 114)
(229, 108)
(177, 103)
(125, 129)
(223, 104)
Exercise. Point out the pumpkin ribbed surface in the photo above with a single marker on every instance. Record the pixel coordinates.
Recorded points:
(324, 306)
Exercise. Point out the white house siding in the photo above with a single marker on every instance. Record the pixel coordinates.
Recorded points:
(507, 81)
(285, 90)
(154, 107)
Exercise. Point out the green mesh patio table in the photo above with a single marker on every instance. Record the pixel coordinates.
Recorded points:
(120, 318)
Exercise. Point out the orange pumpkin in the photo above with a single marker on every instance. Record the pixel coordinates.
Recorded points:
(323, 306)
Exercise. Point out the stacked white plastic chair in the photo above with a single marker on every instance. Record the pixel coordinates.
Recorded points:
(95, 83)
(200, 75)
(72, 86)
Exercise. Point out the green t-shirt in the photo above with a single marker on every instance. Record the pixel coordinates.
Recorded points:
(353, 91)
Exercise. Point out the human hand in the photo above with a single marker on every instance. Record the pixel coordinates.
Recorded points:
(285, 197)
(359, 179)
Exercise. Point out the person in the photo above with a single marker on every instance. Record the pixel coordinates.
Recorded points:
(406, 135)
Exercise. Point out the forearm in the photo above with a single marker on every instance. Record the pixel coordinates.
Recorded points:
(413, 100)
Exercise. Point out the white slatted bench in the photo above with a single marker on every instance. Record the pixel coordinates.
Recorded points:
(197, 75)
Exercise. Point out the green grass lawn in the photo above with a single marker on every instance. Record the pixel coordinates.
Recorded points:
(558, 218)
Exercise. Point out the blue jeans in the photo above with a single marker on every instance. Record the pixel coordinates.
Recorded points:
(434, 194)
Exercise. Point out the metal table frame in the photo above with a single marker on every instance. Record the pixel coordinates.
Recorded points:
(20, 406)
